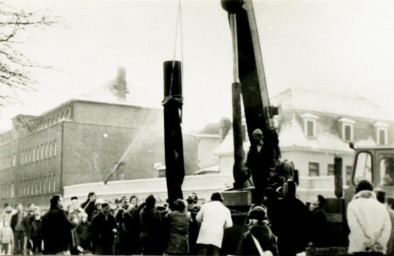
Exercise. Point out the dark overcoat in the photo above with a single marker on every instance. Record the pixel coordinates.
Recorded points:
(56, 231)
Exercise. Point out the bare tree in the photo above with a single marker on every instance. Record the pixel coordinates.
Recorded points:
(15, 67)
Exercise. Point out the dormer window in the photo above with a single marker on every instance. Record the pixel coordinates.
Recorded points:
(309, 125)
(381, 133)
(347, 129)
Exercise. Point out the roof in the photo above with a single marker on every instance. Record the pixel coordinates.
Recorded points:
(330, 103)
(106, 93)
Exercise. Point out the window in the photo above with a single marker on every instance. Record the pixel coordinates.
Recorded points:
(309, 125)
(313, 169)
(12, 190)
(54, 148)
(382, 136)
(38, 153)
(42, 151)
(49, 184)
(14, 160)
(347, 128)
(386, 166)
(363, 167)
(348, 133)
(330, 170)
(310, 128)
(54, 183)
(44, 185)
(50, 149)
(46, 150)
(348, 177)
(381, 133)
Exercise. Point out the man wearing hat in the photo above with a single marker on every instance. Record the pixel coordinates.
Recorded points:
(259, 161)
(258, 239)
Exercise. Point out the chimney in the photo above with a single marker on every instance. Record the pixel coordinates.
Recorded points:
(224, 128)
(120, 85)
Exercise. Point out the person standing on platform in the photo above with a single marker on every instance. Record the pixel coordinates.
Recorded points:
(259, 161)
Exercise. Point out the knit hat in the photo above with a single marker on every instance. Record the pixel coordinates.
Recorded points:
(258, 213)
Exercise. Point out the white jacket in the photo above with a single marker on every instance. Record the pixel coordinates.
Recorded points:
(214, 217)
(369, 222)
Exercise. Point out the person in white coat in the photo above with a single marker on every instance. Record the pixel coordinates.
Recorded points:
(369, 222)
(214, 218)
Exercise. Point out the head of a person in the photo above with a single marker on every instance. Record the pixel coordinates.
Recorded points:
(380, 195)
(92, 196)
(37, 210)
(37, 216)
(30, 207)
(257, 215)
(7, 208)
(134, 200)
(98, 206)
(6, 223)
(56, 201)
(150, 202)
(257, 135)
(289, 189)
(364, 185)
(84, 217)
(192, 198)
(19, 208)
(106, 208)
(390, 202)
(179, 205)
(217, 196)
(320, 202)
(74, 202)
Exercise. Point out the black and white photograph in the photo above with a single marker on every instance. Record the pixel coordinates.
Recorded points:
(197, 127)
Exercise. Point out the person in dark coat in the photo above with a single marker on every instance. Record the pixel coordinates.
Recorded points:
(178, 222)
(289, 222)
(83, 235)
(193, 208)
(259, 161)
(18, 227)
(89, 205)
(151, 228)
(124, 236)
(35, 234)
(56, 228)
(103, 230)
(258, 228)
(318, 223)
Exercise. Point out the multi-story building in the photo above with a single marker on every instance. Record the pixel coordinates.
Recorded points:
(106, 130)
(315, 126)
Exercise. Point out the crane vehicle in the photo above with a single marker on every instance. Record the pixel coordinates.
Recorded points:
(375, 164)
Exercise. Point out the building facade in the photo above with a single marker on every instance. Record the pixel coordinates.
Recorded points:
(78, 142)
(314, 127)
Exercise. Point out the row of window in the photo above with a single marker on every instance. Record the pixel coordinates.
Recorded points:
(34, 154)
(314, 170)
(28, 187)
(347, 130)
(42, 152)
(7, 161)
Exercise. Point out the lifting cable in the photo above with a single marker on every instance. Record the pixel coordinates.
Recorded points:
(179, 28)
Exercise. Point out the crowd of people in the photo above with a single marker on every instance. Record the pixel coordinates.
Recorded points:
(281, 225)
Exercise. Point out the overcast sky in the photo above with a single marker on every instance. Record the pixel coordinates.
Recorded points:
(345, 46)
